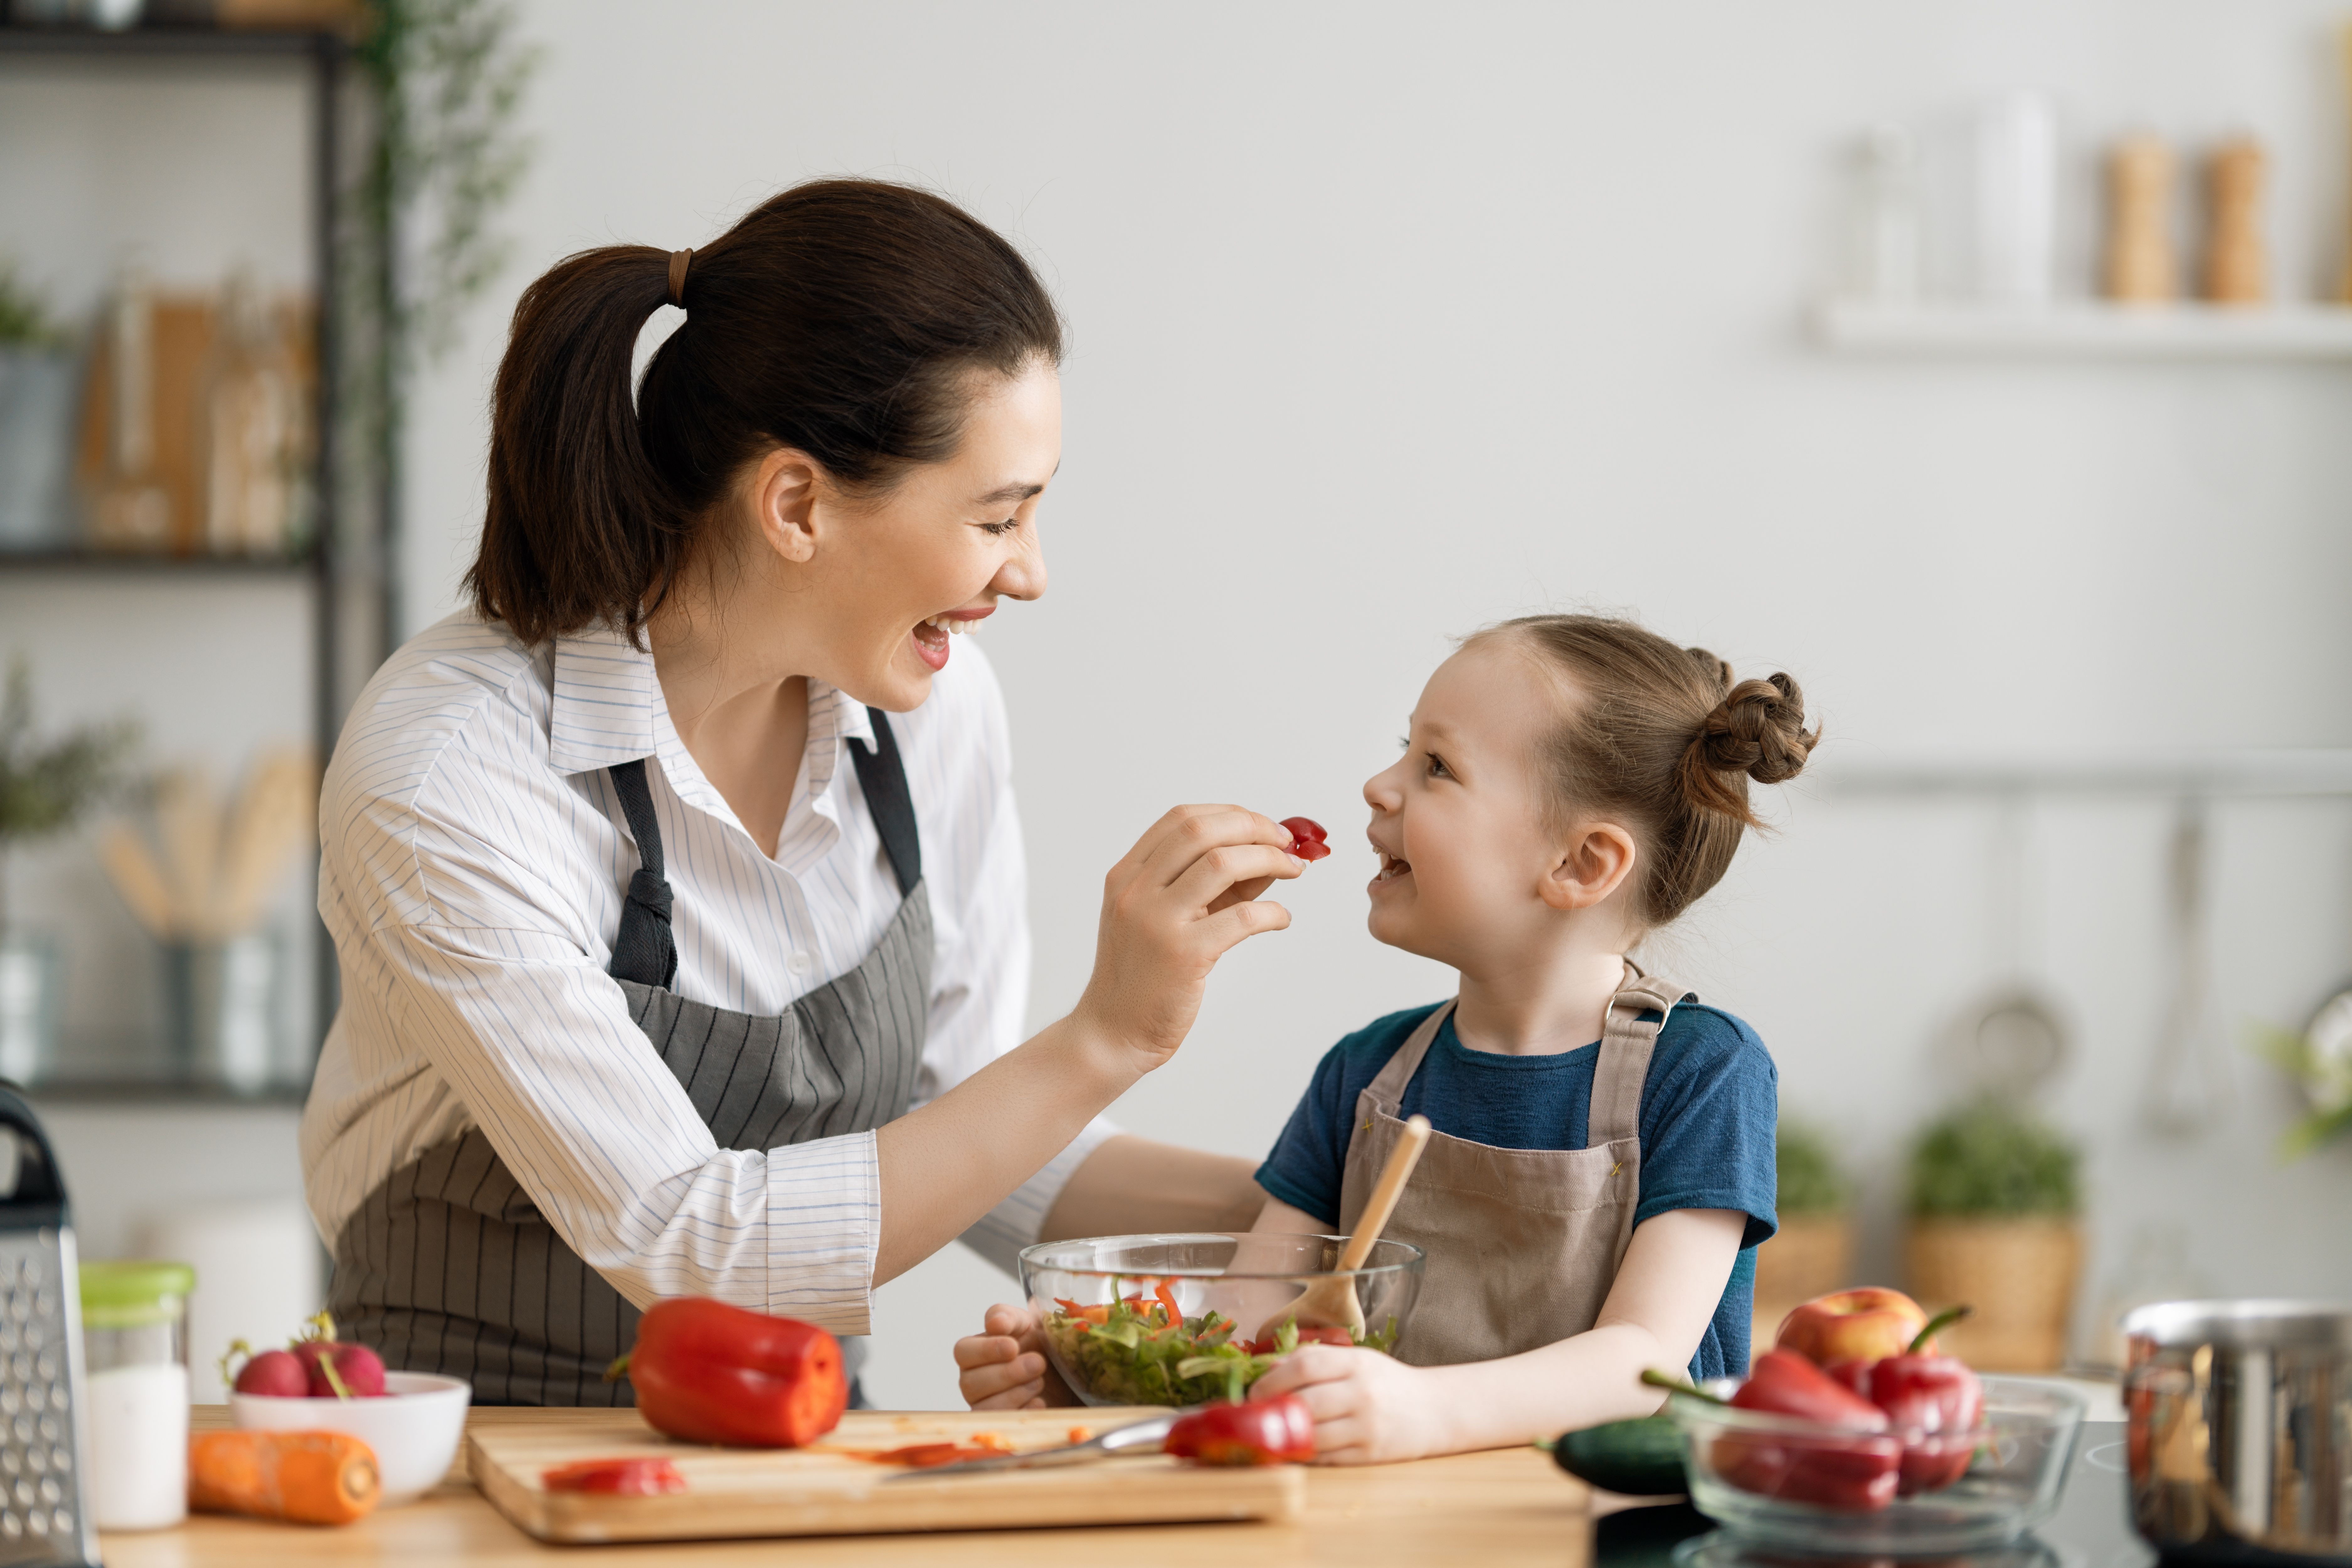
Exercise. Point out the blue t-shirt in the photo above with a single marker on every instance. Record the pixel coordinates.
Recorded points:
(1708, 1110)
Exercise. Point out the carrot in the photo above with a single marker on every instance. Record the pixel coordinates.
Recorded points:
(310, 1478)
(1168, 1299)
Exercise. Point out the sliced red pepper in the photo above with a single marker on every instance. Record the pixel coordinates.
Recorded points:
(615, 1478)
(712, 1373)
(1168, 1301)
(1274, 1431)
(1308, 841)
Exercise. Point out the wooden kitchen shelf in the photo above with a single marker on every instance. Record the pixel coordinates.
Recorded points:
(2088, 330)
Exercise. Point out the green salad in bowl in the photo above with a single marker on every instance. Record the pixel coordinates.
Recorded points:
(1186, 1318)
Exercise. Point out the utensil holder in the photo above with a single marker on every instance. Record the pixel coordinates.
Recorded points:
(223, 1003)
(29, 988)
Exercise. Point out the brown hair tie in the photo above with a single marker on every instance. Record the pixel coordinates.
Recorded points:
(678, 260)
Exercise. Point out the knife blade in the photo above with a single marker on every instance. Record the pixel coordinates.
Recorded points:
(1136, 1436)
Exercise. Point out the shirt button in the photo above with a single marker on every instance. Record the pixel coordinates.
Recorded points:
(798, 963)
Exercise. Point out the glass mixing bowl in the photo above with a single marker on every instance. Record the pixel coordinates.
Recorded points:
(2012, 1483)
(1106, 1303)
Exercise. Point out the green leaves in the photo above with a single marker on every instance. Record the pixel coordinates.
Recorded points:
(44, 787)
(1992, 1161)
(2327, 1080)
(1811, 1181)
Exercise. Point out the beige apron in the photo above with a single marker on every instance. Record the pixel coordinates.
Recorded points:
(1523, 1244)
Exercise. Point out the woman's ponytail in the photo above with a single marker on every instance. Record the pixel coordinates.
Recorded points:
(579, 526)
(841, 317)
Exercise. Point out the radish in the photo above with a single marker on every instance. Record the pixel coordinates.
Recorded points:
(276, 1373)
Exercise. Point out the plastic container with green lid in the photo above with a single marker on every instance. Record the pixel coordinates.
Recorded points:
(134, 1321)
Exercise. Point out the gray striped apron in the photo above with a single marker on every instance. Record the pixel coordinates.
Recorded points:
(449, 1266)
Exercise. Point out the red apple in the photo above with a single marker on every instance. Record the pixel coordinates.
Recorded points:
(1863, 1324)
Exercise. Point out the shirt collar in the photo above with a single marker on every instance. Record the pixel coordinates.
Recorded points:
(603, 703)
(608, 708)
(607, 695)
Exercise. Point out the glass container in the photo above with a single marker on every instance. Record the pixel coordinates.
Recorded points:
(135, 1344)
(2012, 1483)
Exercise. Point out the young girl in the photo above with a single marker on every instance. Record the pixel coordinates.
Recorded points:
(1603, 1163)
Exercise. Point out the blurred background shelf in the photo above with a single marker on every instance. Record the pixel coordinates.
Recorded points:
(153, 39)
(2271, 774)
(2088, 330)
(140, 1091)
(156, 565)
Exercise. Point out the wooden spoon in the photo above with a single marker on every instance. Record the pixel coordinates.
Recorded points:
(1330, 1301)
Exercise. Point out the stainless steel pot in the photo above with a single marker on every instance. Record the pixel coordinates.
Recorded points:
(2241, 1430)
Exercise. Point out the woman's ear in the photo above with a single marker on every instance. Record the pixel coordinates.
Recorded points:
(1594, 863)
(783, 499)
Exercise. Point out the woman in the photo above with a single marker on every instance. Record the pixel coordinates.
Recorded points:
(676, 884)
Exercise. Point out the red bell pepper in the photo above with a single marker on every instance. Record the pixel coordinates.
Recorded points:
(1935, 1403)
(1851, 1466)
(1258, 1432)
(711, 1373)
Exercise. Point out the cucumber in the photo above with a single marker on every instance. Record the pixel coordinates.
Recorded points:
(1639, 1459)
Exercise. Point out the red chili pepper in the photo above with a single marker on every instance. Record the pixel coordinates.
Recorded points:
(616, 1477)
(1258, 1432)
(1934, 1403)
(1308, 839)
(711, 1373)
(1856, 1475)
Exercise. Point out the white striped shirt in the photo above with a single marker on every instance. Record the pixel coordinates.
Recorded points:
(472, 875)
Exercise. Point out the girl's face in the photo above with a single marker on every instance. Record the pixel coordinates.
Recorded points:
(1459, 820)
(889, 577)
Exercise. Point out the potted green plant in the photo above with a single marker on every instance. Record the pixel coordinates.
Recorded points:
(1812, 1253)
(1995, 1202)
(44, 786)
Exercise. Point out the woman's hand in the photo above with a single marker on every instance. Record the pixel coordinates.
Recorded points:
(1171, 907)
(1004, 1367)
(1368, 1408)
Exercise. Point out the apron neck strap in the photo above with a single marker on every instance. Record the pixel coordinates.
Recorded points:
(1627, 1040)
(644, 948)
(883, 777)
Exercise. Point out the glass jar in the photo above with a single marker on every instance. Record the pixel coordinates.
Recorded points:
(135, 1330)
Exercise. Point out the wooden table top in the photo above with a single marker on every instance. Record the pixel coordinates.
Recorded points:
(1510, 1506)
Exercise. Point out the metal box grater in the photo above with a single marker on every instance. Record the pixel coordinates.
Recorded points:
(44, 1416)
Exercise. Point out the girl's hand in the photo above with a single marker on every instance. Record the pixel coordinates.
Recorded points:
(1004, 1367)
(1184, 894)
(1368, 1408)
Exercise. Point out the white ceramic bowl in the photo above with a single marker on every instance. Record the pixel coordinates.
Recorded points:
(413, 1427)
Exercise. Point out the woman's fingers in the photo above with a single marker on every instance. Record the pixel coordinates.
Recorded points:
(1228, 928)
(1218, 869)
(1203, 830)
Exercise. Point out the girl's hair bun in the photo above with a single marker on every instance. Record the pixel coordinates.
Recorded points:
(1758, 729)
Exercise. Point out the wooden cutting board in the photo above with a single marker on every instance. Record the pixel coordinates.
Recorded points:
(827, 1490)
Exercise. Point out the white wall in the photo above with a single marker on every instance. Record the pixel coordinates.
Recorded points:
(1388, 320)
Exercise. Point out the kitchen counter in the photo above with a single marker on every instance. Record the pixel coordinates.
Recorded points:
(1510, 1506)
